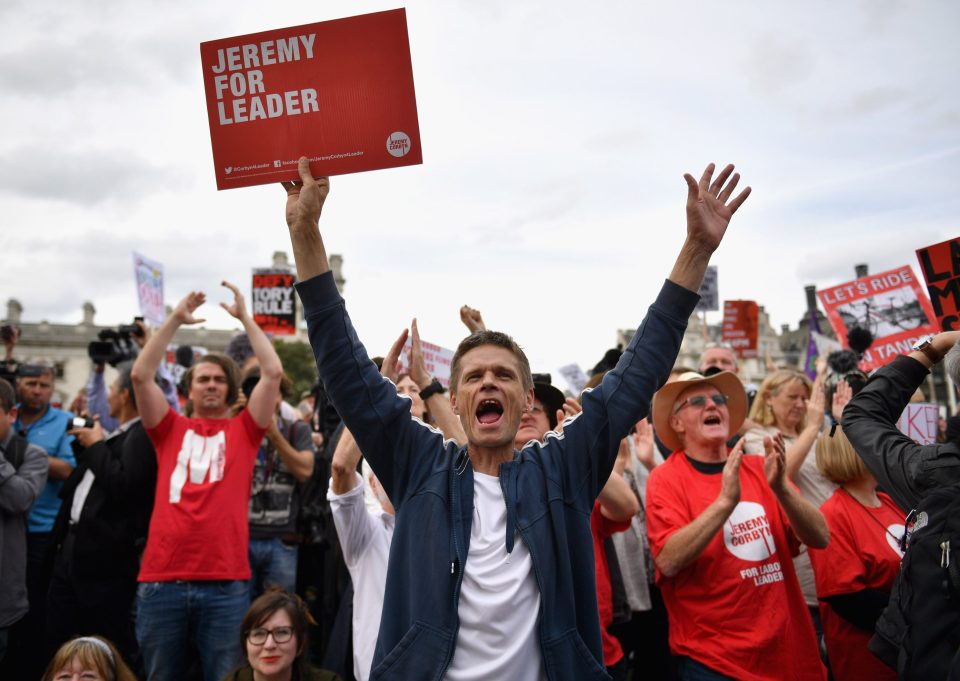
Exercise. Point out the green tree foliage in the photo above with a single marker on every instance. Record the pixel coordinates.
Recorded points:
(299, 364)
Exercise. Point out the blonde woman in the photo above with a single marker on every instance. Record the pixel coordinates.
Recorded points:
(855, 572)
(90, 658)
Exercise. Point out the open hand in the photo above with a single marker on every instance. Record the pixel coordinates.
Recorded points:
(418, 368)
(841, 395)
(391, 361)
(709, 206)
(775, 462)
(188, 305)
(237, 308)
(643, 444)
(730, 482)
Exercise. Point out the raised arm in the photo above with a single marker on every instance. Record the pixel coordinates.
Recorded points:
(800, 449)
(709, 209)
(150, 399)
(262, 404)
(806, 521)
(437, 403)
(684, 546)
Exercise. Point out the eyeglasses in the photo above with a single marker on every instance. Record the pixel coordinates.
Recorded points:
(700, 401)
(280, 635)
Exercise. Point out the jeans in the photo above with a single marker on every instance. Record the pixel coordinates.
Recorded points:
(272, 563)
(171, 615)
(691, 670)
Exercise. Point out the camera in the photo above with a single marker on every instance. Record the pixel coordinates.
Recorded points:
(116, 345)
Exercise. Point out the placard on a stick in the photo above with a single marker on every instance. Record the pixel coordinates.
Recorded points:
(741, 327)
(273, 301)
(339, 92)
(940, 265)
(890, 305)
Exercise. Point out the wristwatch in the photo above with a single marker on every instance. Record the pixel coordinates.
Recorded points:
(435, 388)
(925, 345)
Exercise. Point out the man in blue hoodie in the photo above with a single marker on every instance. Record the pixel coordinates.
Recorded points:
(491, 571)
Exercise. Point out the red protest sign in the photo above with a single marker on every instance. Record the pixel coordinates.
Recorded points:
(741, 321)
(339, 92)
(273, 307)
(940, 265)
(890, 305)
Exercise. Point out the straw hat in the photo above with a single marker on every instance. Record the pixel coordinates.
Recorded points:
(726, 382)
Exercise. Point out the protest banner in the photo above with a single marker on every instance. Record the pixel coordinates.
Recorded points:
(940, 265)
(273, 304)
(920, 422)
(574, 377)
(437, 360)
(709, 291)
(148, 275)
(339, 92)
(890, 305)
(741, 323)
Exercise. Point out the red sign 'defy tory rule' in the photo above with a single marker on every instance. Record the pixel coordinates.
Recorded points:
(339, 92)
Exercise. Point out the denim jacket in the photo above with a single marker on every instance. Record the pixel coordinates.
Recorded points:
(549, 489)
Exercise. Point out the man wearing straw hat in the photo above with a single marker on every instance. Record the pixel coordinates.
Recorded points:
(723, 528)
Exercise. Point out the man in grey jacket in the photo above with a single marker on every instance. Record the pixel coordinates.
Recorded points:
(23, 473)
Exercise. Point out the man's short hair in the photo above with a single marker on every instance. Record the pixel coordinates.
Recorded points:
(36, 370)
(837, 459)
(229, 368)
(125, 382)
(498, 339)
(8, 397)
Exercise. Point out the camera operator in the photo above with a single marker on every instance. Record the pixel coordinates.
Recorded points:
(114, 347)
(919, 633)
(102, 527)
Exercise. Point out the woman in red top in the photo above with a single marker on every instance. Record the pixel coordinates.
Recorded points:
(855, 573)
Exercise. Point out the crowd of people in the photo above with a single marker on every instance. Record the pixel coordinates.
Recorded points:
(663, 524)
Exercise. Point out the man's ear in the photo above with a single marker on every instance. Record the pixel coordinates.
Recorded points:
(530, 399)
(676, 423)
(453, 402)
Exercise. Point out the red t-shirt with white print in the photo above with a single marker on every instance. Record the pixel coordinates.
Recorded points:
(737, 608)
(863, 553)
(198, 530)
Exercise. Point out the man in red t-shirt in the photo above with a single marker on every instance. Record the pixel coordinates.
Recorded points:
(723, 528)
(195, 569)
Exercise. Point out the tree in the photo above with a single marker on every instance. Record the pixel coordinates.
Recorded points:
(299, 364)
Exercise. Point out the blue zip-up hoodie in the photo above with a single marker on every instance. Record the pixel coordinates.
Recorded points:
(549, 489)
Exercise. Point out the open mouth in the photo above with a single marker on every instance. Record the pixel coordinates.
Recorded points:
(712, 421)
(489, 412)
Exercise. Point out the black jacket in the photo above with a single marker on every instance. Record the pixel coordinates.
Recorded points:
(113, 524)
(919, 632)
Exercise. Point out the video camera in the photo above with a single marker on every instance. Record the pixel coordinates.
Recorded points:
(116, 345)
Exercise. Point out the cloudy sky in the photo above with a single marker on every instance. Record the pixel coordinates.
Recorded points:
(555, 135)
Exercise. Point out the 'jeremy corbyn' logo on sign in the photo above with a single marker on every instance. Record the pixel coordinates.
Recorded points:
(198, 456)
(747, 533)
(398, 144)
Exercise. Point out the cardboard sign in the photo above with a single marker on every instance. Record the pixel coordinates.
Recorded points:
(891, 305)
(574, 376)
(273, 302)
(148, 275)
(437, 359)
(339, 92)
(741, 323)
(920, 422)
(709, 291)
(940, 265)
